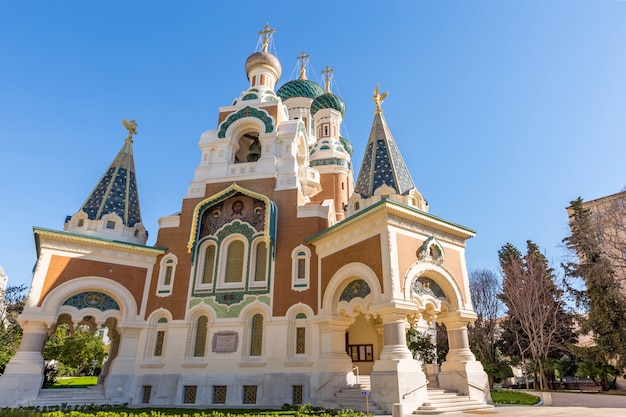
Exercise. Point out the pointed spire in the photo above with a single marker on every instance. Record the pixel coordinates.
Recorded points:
(303, 58)
(116, 192)
(382, 163)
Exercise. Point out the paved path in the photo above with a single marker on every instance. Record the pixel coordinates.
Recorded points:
(563, 404)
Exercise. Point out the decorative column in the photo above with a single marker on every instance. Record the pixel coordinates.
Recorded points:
(461, 371)
(397, 377)
(23, 375)
(121, 373)
(333, 357)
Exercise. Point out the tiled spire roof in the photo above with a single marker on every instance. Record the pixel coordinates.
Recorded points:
(116, 192)
(382, 162)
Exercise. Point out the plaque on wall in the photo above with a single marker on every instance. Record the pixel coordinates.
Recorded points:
(225, 342)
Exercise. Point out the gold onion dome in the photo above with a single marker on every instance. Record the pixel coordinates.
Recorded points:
(265, 59)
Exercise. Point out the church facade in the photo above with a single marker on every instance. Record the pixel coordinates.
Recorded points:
(281, 279)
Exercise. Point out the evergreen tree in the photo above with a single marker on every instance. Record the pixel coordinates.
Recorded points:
(602, 300)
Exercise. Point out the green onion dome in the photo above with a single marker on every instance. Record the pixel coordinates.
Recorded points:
(346, 145)
(300, 88)
(328, 101)
(265, 59)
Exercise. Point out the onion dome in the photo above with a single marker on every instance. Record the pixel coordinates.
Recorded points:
(328, 101)
(300, 88)
(266, 59)
(346, 145)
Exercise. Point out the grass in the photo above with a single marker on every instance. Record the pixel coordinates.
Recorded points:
(75, 382)
(513, 397)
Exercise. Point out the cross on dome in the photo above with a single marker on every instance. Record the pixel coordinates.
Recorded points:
(303, 58)
(266, 32)
(328, 71)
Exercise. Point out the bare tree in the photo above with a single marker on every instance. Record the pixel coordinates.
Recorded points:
(484, 333)
(534, 302)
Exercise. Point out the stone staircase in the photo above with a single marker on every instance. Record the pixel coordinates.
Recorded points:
(445, 401)
(352, 398)
(66, 397)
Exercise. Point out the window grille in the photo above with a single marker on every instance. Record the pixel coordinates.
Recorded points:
(249, 394)
(189, 394)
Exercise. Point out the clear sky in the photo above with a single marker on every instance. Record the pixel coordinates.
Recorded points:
(504, 111)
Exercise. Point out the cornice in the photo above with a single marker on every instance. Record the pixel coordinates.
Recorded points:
(75, 242)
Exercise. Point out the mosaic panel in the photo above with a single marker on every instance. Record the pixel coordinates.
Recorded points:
(239, 207)
(356, 289)
(92, 299)
(424, 285)
(246, 112)
(229, 311)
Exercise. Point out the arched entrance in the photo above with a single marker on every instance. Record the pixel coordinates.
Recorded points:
(93, 302)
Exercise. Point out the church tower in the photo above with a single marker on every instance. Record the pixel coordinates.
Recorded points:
(112, 209)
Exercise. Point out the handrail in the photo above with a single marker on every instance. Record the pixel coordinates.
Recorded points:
(413, 390)
(470, 383)
(338, 375)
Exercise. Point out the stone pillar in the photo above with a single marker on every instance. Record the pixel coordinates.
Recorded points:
(121, 373)
(334, 359)
(23, 375)
(114, 337)
(397, 378)
(461, 371)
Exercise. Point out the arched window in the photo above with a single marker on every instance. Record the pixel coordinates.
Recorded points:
(234, 262)
(300, 334)
(301, 265)
(166, 275)
(209, 265)
(159, 341)
(256, 335)
(260, 264)
(201, 334)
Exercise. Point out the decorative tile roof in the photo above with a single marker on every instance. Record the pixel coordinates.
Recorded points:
(116, 192)
(300, 88)
(382, 163)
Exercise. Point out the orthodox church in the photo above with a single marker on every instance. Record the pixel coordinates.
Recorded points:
(280, 280)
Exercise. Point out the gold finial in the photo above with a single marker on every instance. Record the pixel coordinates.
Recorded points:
(131, 127)
(378, 99)
(328, 71)
(303, 57)
(266, 32)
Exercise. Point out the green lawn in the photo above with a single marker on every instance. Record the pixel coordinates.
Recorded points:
(513, 397)
(75, 382)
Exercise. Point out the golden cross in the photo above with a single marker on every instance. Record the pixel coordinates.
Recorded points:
(327, 74)
(303, 57)
(266, 32)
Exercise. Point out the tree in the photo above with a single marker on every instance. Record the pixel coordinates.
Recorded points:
(602, 300)
(484, 333)
(421, 345)
(11, 305)
(534, 304)
(80, 352)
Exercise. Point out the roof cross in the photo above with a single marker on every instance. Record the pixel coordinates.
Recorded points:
(266, 32)
(303, 57)
(328, 71)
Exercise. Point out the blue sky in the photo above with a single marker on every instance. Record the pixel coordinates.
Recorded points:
(504, 111)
